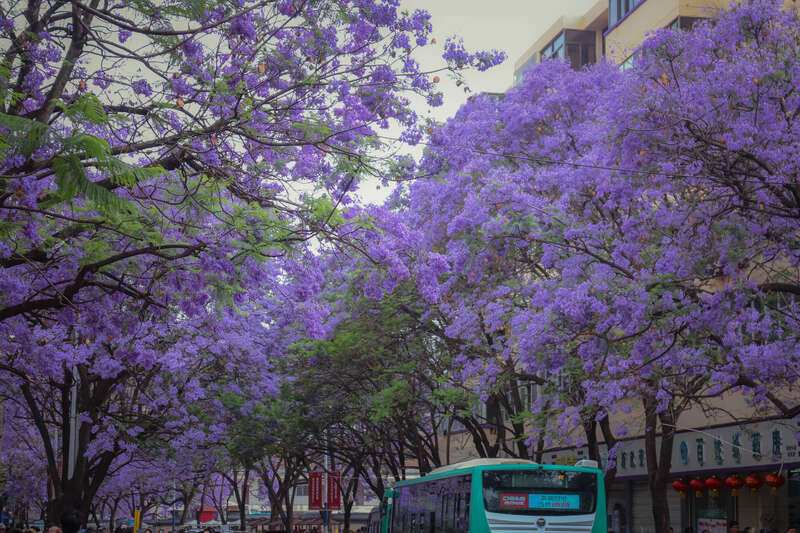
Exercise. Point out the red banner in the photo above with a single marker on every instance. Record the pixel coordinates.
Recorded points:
(514, 501)
(315, 491)
(334, 494)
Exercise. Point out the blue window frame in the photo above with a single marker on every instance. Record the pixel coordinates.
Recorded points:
(618, 9)
(578, 46)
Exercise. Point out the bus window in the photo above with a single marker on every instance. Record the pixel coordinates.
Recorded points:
(453, 512)
(440, 512)
(445, 512)
(457, 513)
(540, 492)
(466, 507)
(400, 511)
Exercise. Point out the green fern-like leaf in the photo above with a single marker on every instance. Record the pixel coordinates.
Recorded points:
(71, 180)
(87, 107)
(23, 134)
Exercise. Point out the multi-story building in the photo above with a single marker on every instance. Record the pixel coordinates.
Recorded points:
(614, 29)
(733, 439)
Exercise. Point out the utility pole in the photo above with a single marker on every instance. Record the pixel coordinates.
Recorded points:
(325, 512)
(173, 503)
(72, 458)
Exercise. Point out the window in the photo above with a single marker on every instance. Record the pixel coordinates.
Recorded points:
(527, 394)
(440, 506)
(519, 75)
(555, 48)
(541, 492)
(577, 46)
(683, 23)
(619, 9)
(628, 63)
(301, 490)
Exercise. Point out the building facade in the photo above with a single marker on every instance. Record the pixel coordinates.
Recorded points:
(711, 449)
(613, 29)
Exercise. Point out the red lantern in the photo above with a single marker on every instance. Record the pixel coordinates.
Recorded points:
(775, 480)
(734, 482)
(698, 486)
(714, 484)
(681, 486)
(754, 481)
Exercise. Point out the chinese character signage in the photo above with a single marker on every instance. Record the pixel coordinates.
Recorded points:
(758, 445)
(776, 444)
(315, 491)
(554, 501)
(334, 495)
(712, 525)
(718, 451)
(514, 501)
(540, 501)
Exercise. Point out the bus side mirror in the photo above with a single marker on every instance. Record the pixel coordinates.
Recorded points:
(387, 494)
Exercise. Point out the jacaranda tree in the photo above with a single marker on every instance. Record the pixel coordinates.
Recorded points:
(627, 234)
(164, 165)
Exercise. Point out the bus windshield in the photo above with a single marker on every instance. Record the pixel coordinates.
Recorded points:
(540, 492)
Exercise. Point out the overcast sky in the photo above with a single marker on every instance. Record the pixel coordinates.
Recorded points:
(507, 25)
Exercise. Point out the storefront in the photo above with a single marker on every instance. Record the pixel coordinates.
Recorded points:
(711, 470)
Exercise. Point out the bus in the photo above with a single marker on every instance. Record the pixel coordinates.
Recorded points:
(374, 521)
(497, 496)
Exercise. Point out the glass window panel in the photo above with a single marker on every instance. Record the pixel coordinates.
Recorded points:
(539, 492)
(580, 36)
(686, 23)
(574, 55)
(588, 55)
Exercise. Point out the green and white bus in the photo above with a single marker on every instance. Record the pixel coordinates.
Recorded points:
(497, 496)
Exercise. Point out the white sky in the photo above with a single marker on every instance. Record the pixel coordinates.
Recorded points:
(508, 25)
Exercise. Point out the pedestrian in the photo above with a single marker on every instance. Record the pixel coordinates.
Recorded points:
(71, 520)
(791, 530)
(733, 527)
(54, 529)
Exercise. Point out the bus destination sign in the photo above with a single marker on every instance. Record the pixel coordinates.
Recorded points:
(554, 501)
(540, 501)
(514, 501)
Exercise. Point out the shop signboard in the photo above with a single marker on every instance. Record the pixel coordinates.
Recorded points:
(738, 447)
(712, 525)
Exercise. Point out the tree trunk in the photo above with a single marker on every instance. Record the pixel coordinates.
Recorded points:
(95, 518)
(112, 520)
(243, 501)
(611, 441)
(659, 459)
(202, 504)
(187, 501)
